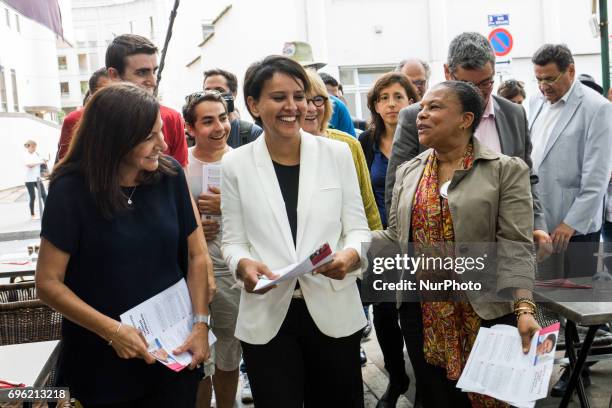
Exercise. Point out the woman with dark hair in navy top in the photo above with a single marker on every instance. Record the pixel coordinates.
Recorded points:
(391, 93)
(119, 227)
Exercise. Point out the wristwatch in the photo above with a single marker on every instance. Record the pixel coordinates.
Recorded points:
(201, 318)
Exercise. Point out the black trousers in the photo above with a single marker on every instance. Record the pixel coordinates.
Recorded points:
(181, 393)
(302, 367)
(432, 386)
(31, 186)
(580, 259)
(389, 335)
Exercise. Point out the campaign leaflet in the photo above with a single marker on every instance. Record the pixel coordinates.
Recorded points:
(165, 321)
(318, 258)
(498, 367)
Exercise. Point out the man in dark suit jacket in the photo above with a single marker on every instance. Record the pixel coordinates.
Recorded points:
(504, 127)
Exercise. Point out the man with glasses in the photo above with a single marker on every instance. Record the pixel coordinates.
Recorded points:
(571, 126)
(503, 127)
(418, 71)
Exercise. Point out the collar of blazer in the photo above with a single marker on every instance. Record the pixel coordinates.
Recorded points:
(572, 103)
(269, 183)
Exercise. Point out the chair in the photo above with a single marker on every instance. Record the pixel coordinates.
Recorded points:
(25, 319)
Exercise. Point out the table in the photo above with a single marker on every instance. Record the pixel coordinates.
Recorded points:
(571, 304)
(23, 362)
(13, 271)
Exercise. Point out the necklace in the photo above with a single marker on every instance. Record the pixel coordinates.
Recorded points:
(129, 200)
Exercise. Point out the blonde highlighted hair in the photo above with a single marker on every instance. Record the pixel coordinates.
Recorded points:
(317, 87)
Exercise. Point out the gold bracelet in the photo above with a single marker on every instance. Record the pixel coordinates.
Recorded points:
(528, 301)
(518, 315)
(110, 342)
(522, 309)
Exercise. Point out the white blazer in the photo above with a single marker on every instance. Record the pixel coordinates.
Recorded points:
(255, 226)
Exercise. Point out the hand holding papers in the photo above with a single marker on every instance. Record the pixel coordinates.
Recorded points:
(498, 367)
(318, 258)
(165, 321)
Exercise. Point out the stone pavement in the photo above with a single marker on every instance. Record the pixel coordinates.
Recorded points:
(16, 225)
(15, 221)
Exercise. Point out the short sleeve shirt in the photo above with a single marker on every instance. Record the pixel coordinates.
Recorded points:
(114, 265)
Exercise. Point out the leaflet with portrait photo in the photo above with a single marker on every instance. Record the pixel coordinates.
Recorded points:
(165, 321)
(498, 367)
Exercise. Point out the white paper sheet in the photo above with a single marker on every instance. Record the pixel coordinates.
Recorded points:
(165, 321)
(318, 258)
(211, 177)
(497, 366)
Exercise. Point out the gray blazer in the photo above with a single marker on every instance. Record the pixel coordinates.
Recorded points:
(499, 219)
(576, 165)
(511, 124)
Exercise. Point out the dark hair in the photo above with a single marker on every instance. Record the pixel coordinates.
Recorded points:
(93, 79)
(377, 125)
(232, 81)
(193, 100)
(552, 338)
(471, 51)
(328, 79)
(560, 54)
(93, 82)
(261, 71)
(469, 97)
(125, 45)
(115, 120)
(511, 89)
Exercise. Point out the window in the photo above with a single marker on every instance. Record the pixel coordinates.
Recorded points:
(82, 62)
(3, 101)
(151, 27)
(15, 92)
(17, 25)
(356, 82)
(207, 31)
(65, 88)
(62, 62)
(84, 87)
(8, 18)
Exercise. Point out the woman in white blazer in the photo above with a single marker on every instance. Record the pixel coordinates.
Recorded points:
(283, 196)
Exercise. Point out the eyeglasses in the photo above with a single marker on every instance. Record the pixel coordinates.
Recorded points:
(547, 81)
(386, 99)
(317, 101)
(482, 85)
(419, 82)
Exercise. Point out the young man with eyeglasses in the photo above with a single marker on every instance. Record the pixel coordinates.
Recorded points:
(243, 131)
(503, 129)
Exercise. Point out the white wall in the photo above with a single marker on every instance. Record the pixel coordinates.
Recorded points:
(248, 32)
(343, 33)
(16, 129)
(32, 54)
